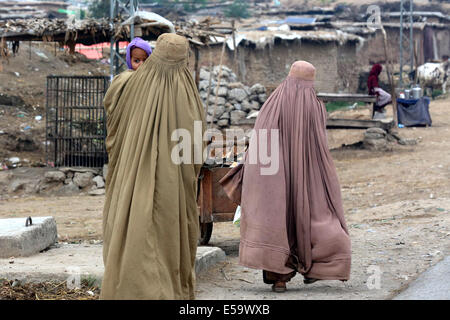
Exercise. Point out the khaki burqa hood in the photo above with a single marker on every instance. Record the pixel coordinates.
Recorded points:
(150, 218)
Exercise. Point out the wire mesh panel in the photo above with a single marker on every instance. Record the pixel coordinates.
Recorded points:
(76, 121)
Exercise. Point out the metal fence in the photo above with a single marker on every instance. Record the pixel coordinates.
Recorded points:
(76, 121)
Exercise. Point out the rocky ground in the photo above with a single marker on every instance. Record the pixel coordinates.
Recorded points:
(397, 206)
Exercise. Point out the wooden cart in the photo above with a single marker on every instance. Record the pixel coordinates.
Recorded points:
(213, 203)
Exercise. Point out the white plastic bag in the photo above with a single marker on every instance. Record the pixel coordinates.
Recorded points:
(237, 217)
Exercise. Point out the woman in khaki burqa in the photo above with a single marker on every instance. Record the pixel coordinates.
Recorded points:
(293, 221)
(150, 218)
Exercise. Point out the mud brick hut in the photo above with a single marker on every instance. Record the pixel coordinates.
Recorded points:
(431, 34)
(266, 56)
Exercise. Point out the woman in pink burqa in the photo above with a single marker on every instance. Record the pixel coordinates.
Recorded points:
(292, 219)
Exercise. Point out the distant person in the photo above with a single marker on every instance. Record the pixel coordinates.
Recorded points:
(150, 217)
(292, 219)
(383, 98)
(15, 47)
(137, 52)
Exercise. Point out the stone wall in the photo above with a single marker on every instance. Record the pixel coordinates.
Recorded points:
(52, 181)
(235, 101)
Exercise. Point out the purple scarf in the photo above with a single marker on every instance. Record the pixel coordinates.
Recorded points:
(137, 43)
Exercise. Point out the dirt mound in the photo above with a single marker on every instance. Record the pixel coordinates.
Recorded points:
(23, 96)
(24, 75)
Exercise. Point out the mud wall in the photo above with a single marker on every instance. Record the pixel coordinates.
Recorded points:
(373, 48)
(270, 65)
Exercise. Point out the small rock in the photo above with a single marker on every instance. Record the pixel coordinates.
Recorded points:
(238, 94)
(55, 176)
(83, 179)
(229, 107)
(69, 189)
(408, 142)
(225, 115)
(262, 98)
(257, 89)
(203, 85)
(222, 123)
(219, 110)
(105, 171)
(97, 192)
(204, 75)
(222, 92)
(255, 105)
(372, 135)
(391, 138)
(375, 144)
(99, 182)
(246, 106)
(209, 118)
(220, 100)
(237, 115)
(376, 130)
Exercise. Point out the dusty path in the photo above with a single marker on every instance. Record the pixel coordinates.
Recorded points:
(397, 206)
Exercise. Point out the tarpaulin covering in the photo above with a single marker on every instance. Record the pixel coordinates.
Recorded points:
(413, 112)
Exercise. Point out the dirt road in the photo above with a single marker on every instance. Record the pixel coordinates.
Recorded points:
(397, 206)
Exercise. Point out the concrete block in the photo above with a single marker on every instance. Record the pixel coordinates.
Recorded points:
(433, 284)
(17, 240)
(207, 257)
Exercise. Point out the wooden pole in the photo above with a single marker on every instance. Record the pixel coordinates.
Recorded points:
(416, 62)
(210, 80)
(197, 71)
(234, 44)
(390, 76)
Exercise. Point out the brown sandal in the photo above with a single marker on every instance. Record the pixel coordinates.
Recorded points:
(279, 287)
(309, 280)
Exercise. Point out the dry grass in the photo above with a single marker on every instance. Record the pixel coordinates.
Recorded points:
(14, 290)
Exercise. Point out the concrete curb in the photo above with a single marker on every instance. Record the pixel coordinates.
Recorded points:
(207, 257)
(66, 261)
(433, 284)
(17, 240)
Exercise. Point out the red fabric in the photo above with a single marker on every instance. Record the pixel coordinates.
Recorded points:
(372, 82)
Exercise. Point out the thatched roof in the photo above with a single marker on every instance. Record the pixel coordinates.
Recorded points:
(263, 38)
(88, 31)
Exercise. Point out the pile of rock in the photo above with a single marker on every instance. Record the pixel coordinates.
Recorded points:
(235, 101)
(75, 180)
(378, 139)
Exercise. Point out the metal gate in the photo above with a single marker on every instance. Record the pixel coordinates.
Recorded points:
(76, 121)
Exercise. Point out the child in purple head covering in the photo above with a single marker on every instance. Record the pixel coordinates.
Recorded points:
(137, 52)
